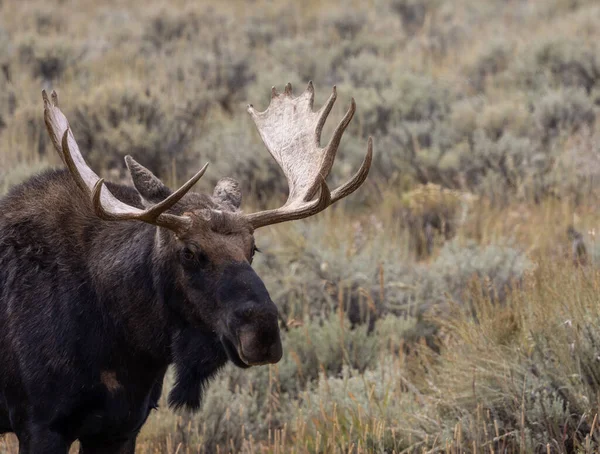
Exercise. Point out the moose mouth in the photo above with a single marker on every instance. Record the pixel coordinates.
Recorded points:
(234, 353)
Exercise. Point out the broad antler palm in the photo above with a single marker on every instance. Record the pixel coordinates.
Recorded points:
(291, 132)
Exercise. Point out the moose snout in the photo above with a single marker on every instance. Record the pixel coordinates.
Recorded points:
(257, 332)
(251, 331)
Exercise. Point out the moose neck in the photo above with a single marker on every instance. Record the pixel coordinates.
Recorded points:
(137, 258)
(126, 273)
(196, 351)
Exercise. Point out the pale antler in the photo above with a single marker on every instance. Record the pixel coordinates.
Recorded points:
(106, 205)
(291, 132)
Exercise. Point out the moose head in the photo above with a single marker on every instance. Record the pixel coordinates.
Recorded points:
(207, 242)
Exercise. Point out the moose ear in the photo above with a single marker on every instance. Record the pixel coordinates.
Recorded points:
(147, 184)
(228, 191)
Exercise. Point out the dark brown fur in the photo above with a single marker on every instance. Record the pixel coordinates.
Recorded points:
(93, 312)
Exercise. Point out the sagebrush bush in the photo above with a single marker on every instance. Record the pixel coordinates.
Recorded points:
(430, 211)
(563, 111)
(412, 12)
(48, 58)
(241, 405)
(493, 59)
(125, 118)
(447, 278)
(563, 62)
(25, 129)
(576, 171)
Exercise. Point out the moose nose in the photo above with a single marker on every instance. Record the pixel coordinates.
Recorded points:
(258, 334)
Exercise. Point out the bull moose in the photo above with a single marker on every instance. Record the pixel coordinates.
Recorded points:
(103, 286)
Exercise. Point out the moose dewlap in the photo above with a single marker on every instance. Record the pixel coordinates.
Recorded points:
(103, 286)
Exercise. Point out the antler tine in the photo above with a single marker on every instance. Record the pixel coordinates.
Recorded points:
(105, 204)
(331, 149)
(291, 132)
(357, 179)
(170, 221)
(324, 113)
(336, 138)
(156, 210)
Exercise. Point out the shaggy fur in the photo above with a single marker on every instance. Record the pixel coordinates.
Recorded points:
(93, 312)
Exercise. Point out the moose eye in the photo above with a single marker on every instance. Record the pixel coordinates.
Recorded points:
(254, 251)
(188, 255)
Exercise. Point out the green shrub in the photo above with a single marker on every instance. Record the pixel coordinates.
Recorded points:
(25, 131)
(48, 58)
(125, 118)
(167, 26)
(234, 149)
(8, 100)
(448, 277)
(576, 170)
(348, 23)
(430, 212)
(231, 412)
(412, 13)
(494, 59)
(563, 63)
(506, 117)
(215, 75)
(239, 405)
(500, 168)
(563, 111)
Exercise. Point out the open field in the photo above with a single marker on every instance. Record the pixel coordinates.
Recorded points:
(438, 309)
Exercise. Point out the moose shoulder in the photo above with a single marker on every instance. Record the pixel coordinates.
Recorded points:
(103, 286)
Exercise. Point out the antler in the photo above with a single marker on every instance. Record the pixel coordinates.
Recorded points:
(291, 132)
(105, 204)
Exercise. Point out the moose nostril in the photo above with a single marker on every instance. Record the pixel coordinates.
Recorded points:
(245, 315)
(248, 313)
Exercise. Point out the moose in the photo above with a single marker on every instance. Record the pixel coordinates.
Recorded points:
(104, 286)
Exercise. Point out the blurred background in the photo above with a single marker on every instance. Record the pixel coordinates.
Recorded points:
(451, 304)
